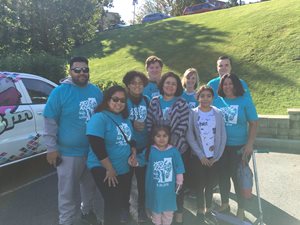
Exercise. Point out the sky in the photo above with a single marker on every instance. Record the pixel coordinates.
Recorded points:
(125, 8)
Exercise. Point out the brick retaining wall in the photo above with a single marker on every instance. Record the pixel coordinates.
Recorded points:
(277, 131)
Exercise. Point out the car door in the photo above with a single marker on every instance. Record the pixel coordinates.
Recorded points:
(38, 92)
(16, 120)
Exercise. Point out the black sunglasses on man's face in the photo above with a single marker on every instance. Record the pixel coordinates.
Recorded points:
(83, 69)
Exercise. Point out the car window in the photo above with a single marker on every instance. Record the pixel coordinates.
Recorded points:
(38, 90)
(9, 94)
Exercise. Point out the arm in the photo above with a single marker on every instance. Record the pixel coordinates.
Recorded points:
(50, 138)
(222, 135)
(98, 147)
(251, 138)
(191, 137)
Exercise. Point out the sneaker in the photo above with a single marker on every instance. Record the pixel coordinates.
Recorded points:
(142, 216)
(89, 219)
(124, 217)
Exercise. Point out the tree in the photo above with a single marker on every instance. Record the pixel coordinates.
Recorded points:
(50, 26)
(170, 7)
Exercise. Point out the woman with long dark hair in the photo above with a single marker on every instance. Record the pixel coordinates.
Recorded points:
(241, 118)
(110, 136)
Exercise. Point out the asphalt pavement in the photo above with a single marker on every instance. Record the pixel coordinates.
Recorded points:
(34, 201)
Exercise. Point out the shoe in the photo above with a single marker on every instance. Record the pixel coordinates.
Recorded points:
(142, 216)
(210, 218)
(89, 219)
(124, 216)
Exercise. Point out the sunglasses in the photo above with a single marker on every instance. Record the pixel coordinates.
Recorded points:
(116, 99)
(83, 69)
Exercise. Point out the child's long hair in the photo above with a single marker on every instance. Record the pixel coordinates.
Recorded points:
(154, 131)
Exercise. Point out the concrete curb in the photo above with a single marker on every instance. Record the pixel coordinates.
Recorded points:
(278, 145)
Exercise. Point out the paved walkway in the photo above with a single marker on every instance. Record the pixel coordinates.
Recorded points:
(279, 179)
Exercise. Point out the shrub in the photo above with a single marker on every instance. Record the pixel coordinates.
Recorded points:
(42, 64)
(105, 84)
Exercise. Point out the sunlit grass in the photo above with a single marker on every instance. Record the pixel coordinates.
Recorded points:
(263, 40)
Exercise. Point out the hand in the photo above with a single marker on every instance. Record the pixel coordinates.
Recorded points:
(51, 157)
(248, 149)
(212, 161)
(205, 161)
(178, 188)
(111, 178)
(139, 126)
(132, 161)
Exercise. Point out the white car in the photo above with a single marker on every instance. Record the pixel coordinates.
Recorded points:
(22, 101)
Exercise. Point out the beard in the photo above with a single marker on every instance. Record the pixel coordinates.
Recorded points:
(81, 80)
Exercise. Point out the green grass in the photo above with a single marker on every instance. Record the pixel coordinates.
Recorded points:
(263, 40)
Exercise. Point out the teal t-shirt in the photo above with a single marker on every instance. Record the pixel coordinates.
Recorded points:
(151, 90)
(162, 168)
(237, 112)
(166, 108)
(116, 146)
(190, 99)
(139, 113)
(71, 107)
(214, 84)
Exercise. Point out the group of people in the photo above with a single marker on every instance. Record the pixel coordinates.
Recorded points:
(163, 130)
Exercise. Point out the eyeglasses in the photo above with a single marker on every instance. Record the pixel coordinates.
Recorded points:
(116, 99)
(83, 69)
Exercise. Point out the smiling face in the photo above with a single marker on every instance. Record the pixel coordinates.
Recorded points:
(161, 139)
(136, 86)
(170, 87)
(191, 81)
(79, 78)
(223, 66)
(116, 104)
(228, 88)
(154, 71)
(205, 99)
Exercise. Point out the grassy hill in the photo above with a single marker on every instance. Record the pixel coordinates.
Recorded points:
(263, 40)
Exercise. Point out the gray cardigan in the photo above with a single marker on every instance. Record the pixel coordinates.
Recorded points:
(193, 134)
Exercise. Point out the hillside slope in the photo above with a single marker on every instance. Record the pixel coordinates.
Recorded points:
(263, 39)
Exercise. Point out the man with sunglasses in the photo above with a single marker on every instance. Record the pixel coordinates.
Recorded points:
(68, 109)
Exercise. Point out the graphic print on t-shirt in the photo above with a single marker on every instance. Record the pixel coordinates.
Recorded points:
(163, 172)
(192, 105)
(207, 125)
(230, 114)
(138, 113)
(120, 140)
(166, 113)
(86, 109)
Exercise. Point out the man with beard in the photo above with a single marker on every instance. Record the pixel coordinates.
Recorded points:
(67, 111)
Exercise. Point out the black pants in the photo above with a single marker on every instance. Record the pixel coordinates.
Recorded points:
(204, 179)
(228, 169)
(114, 197)
(140, 173)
